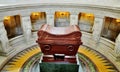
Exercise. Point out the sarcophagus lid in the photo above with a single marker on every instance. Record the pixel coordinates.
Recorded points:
(59, 40)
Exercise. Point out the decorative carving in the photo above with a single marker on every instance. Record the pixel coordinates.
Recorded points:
(47, 47)
(71, 48)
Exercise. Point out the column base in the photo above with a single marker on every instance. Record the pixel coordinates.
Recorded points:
(7, 53)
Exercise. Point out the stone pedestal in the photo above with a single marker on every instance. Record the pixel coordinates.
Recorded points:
(58, 67)
(50, 20)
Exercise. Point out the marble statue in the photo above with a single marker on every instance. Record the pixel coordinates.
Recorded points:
(117, 46)
(4, 39)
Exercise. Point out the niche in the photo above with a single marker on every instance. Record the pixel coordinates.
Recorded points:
(37, 19)
(85, 22)
(13, 26)
(62, 19)
(111, 28)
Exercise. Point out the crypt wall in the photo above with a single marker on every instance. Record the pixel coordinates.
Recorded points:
(92, 34)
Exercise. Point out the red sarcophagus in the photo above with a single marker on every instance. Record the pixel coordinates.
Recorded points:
(59, 44)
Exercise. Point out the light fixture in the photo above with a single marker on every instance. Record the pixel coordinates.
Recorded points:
(89, 15)
(117, 20)
(7, 17)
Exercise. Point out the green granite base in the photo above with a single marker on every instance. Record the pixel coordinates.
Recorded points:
(58, 67)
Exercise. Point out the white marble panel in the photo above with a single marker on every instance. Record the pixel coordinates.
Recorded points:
(50, 19)
(97, 28)
(73, 19)
(26, 24)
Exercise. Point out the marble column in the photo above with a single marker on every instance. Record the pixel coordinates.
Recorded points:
(117, 48)
(50, 18)
(74, 18)
(26, 24)
(5, 48)
(97, 28)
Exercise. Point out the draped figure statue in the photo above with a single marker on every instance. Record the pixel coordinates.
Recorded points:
(3, 39)
(117, 46)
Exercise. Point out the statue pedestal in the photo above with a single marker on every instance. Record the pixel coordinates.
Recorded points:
(58, 67)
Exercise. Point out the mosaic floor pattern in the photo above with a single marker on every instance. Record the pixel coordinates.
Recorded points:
(27, 61)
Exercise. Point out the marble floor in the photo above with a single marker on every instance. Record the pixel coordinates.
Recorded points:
(28, 61)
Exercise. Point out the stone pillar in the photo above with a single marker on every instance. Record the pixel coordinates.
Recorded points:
(74, 18)
(97, 28)
(26, 24)
(50, 18)
(5, 48)
(117, 48)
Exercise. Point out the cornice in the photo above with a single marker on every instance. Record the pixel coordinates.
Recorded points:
(58, 5)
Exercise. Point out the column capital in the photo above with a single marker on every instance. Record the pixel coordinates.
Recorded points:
(99, 16)
(50, 12)
(74, 13)
(25, 18)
